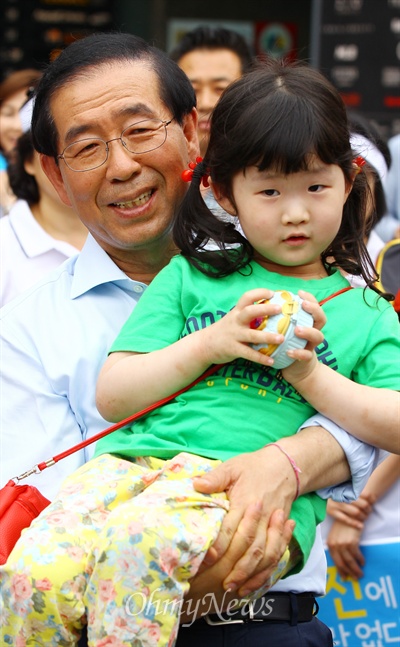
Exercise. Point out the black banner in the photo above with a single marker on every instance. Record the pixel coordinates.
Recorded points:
(33, 32)
(356, 44)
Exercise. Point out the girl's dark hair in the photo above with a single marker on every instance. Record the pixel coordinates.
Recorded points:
(362, 126)
(274, 116)
(23, 185)
(87, 54)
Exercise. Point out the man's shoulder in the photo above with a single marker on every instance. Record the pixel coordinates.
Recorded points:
(55, 285)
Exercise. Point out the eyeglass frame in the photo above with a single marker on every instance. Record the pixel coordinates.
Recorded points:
(163, 122)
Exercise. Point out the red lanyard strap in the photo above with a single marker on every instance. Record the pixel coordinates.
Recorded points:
(335, 294)
(126, 421)
(76, 448)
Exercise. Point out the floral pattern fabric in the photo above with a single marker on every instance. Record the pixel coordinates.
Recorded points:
(116, 550)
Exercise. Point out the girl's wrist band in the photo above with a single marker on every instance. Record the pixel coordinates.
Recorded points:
(296, 469)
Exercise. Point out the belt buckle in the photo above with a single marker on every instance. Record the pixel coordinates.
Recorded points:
(251, 613)
(241, 621)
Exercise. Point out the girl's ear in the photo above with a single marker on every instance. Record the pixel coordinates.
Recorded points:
(222, 199)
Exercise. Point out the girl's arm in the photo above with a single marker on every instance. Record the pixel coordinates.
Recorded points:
(369, 413)
(128, 382)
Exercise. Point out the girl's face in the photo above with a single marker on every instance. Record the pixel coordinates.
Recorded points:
(10, 122)
(289, 220)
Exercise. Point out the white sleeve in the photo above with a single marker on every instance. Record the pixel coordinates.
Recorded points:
(362, 460)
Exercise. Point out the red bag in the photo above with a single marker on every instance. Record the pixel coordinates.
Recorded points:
(19, 505)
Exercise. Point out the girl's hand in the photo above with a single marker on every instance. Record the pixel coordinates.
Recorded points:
(231, 336)
(352, 514)
(307, 359)
(344, 546)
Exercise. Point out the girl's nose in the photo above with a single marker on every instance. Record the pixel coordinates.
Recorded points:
(295, 213)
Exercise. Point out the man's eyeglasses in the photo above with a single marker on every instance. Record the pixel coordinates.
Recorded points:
(90, 153)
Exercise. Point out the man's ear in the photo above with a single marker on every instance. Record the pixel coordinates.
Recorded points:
(222, 198)
(52, 170)
(190, 131)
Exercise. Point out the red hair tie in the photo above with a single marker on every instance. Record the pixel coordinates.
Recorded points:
(359, 162)
(187, 174)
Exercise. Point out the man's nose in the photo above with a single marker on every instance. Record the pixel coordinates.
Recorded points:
(121, 163)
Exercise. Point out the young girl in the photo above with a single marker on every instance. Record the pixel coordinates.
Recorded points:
(128, 531)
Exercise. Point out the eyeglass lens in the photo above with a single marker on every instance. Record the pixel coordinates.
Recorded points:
(141, 137)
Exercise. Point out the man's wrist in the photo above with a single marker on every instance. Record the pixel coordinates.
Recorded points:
(290, 485)
(295, 468)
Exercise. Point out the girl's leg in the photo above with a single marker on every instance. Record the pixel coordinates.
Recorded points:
(45, 577)
(149, 549)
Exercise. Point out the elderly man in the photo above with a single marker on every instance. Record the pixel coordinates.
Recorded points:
(56, 336)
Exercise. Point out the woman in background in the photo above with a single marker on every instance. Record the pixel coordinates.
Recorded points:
(14, 91)
(40, 232)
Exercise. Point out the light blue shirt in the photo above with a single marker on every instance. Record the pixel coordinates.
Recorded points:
(54, 339)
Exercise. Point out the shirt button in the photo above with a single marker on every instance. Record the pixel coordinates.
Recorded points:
(138, 288)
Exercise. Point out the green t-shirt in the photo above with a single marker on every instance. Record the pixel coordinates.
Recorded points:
(245, 405)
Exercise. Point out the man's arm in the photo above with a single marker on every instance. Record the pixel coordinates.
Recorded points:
(325, 458)
(37, 419)
(266, 478)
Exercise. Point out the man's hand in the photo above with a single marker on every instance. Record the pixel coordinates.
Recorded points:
(261, 482)
(207, 594)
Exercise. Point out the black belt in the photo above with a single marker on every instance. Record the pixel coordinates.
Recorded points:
(289, 607)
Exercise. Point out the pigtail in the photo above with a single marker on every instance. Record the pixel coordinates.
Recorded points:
(211, 244)
(348, 250)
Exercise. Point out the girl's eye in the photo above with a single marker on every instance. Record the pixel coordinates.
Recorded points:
(316, 187)
(271, 192)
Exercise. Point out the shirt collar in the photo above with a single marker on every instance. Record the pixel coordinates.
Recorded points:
(94, 267)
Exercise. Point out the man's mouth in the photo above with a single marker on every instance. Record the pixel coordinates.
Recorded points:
(137, 202)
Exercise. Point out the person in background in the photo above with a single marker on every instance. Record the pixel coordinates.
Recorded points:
(97, 88)
(14, 91)
(375, 516)
(366, 142)
(211, 57)
(40, 231)
(389, 227)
